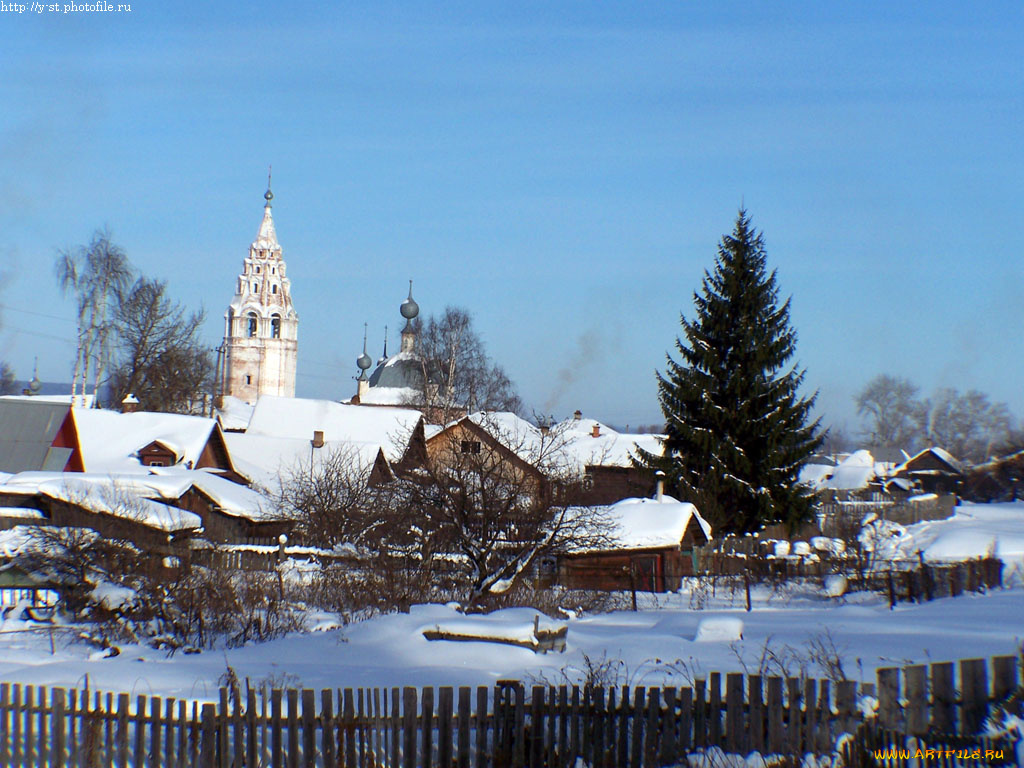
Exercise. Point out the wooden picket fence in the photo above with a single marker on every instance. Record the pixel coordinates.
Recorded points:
(505, 726)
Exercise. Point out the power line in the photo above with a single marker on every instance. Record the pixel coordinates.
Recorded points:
(8, 307)
(66, 340)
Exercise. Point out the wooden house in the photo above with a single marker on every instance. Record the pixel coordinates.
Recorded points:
(649, 547)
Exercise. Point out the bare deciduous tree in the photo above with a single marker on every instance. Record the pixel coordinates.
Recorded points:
(968, 425)
(458, 376)
(475, 517)
(6, 379)
(895, 416)
(160, 358)
(96, 274)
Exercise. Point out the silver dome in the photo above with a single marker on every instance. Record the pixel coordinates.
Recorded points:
(409, 308)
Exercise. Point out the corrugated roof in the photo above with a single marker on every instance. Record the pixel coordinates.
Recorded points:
(27, 432)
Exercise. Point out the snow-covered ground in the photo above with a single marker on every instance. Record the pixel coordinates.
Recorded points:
(677, 636)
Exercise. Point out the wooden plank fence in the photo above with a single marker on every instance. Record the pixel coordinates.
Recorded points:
(505, 726)
(911, 581)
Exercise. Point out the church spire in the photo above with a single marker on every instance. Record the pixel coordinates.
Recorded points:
(266, 240)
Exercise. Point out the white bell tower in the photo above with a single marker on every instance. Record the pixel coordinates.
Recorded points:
(260, 327)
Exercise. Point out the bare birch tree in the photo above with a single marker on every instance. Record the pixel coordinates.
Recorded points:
(96, 274)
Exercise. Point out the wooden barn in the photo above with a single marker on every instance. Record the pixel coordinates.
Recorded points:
(650, 547)
(933, 470)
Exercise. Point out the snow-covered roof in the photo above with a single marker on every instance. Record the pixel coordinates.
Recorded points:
(230, 497)
(940, 453)
(648, 523)
(569, 446)
(518, 435)
(234, 413)
(110, 440)
(268, 461)
(609, 449)
(297, 418)
(385, 395)
(122, 496)
(61, 399)
(852, 473)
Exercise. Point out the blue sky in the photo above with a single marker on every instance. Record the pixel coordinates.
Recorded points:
(564, 170)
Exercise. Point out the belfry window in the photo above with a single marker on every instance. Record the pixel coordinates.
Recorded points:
(253, 323)
(273, 289)
(255, 287)
(275, 326)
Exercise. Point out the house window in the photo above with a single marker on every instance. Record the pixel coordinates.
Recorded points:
(275, 326)
(154, 463)
(253, 321)
(471, 446)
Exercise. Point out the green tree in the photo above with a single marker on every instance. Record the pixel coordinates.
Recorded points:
(737, 429)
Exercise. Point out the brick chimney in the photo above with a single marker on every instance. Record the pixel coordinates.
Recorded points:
(130, 404)
(318, 438)
(578, 415)
(596, 431)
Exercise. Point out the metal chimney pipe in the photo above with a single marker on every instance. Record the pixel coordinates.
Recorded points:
(660, 492)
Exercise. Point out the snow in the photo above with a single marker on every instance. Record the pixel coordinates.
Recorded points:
(503, 626)
(14, 540)
(110, 440)
(835, 585)
(648, 523)
(234, 413)
(390, 395)
(112, 596)
(656, 644)
(267, 461)
(975, 530)
(298, 419)
(719, 629)
(118, 495)
(21, 513)
(568, 446)
(391, 650)
(610, 448)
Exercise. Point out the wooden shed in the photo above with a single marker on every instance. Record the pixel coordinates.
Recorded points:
(650, 547)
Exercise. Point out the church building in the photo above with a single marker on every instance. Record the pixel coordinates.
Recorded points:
(258, 356)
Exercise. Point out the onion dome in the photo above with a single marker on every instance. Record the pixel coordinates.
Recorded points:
(409, 309)
(35, 384)
(363, 361)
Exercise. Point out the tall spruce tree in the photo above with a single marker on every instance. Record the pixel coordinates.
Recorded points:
(737, 428)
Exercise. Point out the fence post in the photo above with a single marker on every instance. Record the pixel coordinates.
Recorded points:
(943, 718)
(974, 685)
(409, 727)
(636, 751)
(481, 728)
(462, 728)
(916, 693)
(427, 718)
(734, 713)
(57, 731)
(1004, 678)
(208, 745)
(888, 697)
